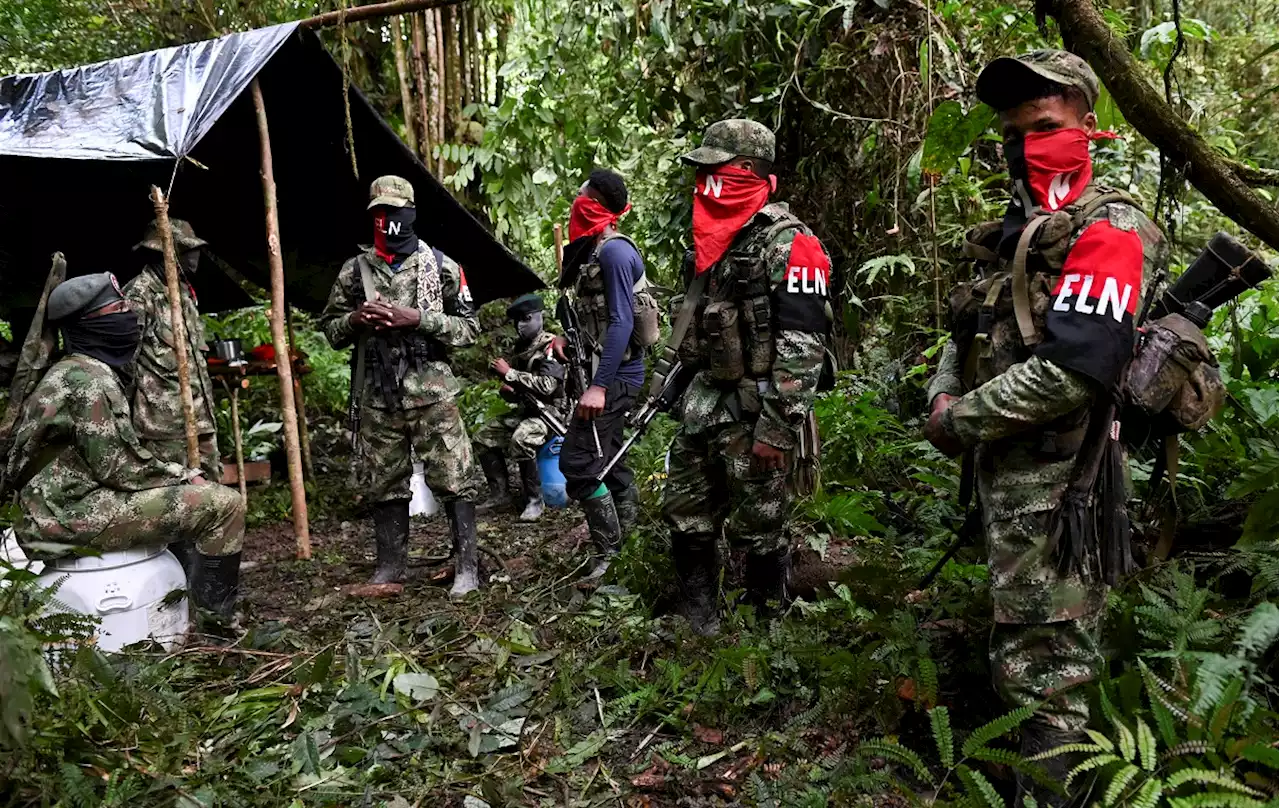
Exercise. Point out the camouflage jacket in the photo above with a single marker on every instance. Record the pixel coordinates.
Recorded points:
(537, 370)
(75, 437)
(1026, 414)
(157, 400)
(779, 399)
(453, 325)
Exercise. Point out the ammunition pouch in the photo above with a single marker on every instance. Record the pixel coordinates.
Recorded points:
(392, 356)
(757, 320)
(725, 359)
(1174, 376)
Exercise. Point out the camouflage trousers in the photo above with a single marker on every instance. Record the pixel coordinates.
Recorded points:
(1044, 645)
(175, 451)
(211, 515)
(712, 485)
(517, 437)
(434, 434)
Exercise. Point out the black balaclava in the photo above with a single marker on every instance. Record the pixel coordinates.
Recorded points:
(528, 327)
(189, 262)
(393, 236)
(111, 338)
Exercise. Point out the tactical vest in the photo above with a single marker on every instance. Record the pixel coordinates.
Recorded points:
(731, 334)
(592, 306)
(998, 320)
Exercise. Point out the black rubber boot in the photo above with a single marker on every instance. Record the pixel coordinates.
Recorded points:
(531, 486)
(606, 536)
(698, 572)
(1037, 738)
(391, 533)
(627, 503)
(215, 583)
(767, 576)
(495, 473)
(466, 567)
(185, 551)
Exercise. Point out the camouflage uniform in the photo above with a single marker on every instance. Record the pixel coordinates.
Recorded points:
(712, 482)
(520, 433)
(157, 401)
(426, 422)
(1045, 640)
(87, 480)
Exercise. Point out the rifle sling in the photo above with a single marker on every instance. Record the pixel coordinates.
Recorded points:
(1021, 293)
(692, 295)
(357, 377)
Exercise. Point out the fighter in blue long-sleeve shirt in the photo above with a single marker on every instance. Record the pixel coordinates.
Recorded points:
(604, 268)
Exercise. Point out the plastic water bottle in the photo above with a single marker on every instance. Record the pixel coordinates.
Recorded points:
(552, 481)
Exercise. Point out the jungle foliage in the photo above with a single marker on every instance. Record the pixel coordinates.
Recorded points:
(868, 691)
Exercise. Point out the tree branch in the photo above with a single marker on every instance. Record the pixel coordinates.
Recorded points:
(1256, 177)
(1086, 33)
(358, 13)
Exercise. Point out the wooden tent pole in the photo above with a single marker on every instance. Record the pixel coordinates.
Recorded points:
(284, 363)
(239, 438)
(298, 397)
(181, 343)
(357, 13)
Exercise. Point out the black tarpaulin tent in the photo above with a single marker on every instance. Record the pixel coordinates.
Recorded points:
(80, 148)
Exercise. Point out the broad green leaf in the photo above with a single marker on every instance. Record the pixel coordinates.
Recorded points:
(417, 687)
(951, 131)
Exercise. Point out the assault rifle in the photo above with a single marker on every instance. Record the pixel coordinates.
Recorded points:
(678, 379)
(531, 399)
(574, 352)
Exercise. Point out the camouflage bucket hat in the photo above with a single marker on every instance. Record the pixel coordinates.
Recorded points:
(736, 137)
(184, 237)
(1008, 81)
(393, 191)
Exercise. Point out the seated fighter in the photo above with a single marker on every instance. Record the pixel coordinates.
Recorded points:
(532, 377)
(83, 477)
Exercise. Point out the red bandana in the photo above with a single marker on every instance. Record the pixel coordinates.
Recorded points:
(587, 217)
(1058, 165)
(723, 201)
(380, 237)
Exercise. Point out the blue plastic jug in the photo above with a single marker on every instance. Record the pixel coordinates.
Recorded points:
(553, 492)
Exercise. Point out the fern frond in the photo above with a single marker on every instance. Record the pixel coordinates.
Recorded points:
(1225, 709)
(1119, 783)
(994, 729)
(940, 721)
(1218, 800)
(1208, 778)
(1029, 801)
(926, 681)
(980, 790)
(1013, 760)
(1128, 748)
(1149, 796)
(1146, 746)
(1263, 753)
(1259, 630)
(1108, 710)
(1069, 749)
(1186, 748)
(896, 752)
(1101, 740)
(1095, 762)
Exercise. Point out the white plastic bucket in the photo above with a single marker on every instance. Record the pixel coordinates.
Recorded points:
(126, 590)
(422, 502)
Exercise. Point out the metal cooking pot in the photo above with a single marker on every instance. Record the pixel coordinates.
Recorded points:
(230, 350)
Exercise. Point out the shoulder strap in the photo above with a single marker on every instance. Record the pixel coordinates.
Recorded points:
(1021, 293)
(366, 277)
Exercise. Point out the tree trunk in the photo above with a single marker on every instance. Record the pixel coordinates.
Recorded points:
(440, 76)
(1086, 33)
(477, 50)
(402, 74)
(449, 60)
(463, 16)
(500, 81)
(425, 106)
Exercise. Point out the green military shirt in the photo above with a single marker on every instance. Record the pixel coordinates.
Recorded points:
(157, 399)
(785, 395)
(74, 438)
(454, 325)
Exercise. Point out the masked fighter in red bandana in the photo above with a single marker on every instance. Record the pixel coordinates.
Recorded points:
(758, 319)
(617, 319)
(1026, 384)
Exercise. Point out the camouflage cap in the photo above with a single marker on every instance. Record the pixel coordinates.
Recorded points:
(184, 237)
(396, 192)
(1008, 81)
(735, 137)
(82, 295)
